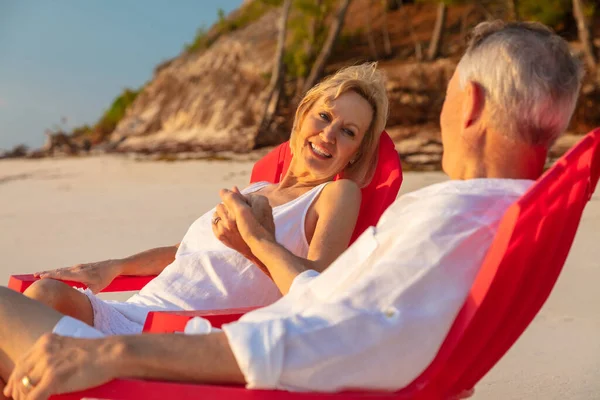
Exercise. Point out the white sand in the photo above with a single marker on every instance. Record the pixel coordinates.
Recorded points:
(55, 213)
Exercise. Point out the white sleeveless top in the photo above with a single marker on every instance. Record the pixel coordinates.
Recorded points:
(208, 275)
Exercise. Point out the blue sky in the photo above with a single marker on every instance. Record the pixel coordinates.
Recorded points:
(71, 58)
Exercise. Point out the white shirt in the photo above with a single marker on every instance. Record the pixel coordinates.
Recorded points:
(378, 315)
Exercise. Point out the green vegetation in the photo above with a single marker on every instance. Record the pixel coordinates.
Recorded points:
(246, 15)
(239, 19)
(306, 27)
(201, 41)
(83, 130)
(307, 33)
(109, 120)
(116, 112)
(549, 12)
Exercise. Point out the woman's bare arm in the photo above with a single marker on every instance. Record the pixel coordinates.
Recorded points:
(98, 275)
(149, 262)
(337, 211)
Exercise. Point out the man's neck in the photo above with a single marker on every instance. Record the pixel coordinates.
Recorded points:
(505, 160)
(480, 170)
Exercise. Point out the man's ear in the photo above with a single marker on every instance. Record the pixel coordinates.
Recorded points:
(473, 104)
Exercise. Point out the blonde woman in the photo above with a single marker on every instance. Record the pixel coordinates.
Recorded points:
(336, 131)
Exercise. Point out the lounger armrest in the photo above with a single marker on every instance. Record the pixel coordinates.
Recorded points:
(134, 389)
(175, 321)
(122, 283)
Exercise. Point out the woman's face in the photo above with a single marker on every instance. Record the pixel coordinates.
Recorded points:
(331, 134)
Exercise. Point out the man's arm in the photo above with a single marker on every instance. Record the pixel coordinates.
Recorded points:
(58, 364)
(194, 358)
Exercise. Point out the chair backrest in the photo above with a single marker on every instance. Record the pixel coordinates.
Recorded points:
(376, 197)
(517, 275)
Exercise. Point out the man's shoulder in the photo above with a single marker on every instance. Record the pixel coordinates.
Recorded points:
(474, 187)
(466, 197)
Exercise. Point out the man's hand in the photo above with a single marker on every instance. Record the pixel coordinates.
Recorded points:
(57, 364)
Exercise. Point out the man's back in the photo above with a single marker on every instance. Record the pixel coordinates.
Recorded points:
(387, 303)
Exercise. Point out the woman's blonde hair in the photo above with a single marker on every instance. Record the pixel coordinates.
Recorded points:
(368, 82)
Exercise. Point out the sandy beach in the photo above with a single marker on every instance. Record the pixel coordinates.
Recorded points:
(59, 212)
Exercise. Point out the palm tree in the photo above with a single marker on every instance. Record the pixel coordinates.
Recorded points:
(513, 9)
(319, 66)
(370, 40)
(387, 45)
(438, 30)
(276, 83)
(585, 36)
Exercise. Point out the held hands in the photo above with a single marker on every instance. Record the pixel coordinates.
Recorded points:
(96, 276)
(240, 220)
(57, 364)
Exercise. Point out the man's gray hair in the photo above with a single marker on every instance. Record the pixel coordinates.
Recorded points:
(530, 78)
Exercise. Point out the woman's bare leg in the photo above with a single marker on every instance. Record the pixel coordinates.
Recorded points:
(22, 322)
(63, 298)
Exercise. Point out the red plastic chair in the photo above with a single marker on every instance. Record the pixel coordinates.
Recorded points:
(376, 197)
(517, 276)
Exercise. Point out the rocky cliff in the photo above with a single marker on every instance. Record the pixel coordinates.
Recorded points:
(212, 100)
(209, 100)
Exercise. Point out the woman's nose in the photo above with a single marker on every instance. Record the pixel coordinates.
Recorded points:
(328, 134)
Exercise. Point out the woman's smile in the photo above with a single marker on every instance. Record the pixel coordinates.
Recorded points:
(320, 151)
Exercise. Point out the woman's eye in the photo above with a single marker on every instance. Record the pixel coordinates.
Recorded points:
(349, 132)
(324, 116)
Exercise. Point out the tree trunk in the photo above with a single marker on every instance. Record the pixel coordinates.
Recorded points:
(276, 83)
(370, 40)
(417, 42)
(315, 26)
(393, 5)
(585, 36)
(334, 31)
(387, 46)
(513, 9)
(438, 30)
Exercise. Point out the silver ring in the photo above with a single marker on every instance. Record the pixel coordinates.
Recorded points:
(216, 220)
(26, 381)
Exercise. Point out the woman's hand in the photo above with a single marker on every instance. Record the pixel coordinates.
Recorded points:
(96, 276)
(57, 364)
(224, 227)
(253, 215)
